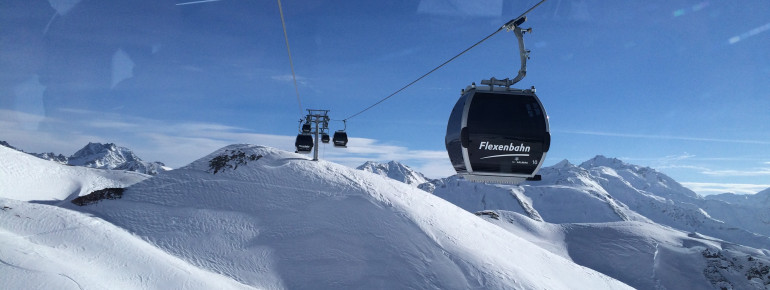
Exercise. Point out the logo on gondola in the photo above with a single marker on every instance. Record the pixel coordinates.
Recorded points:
(509, 147)
(522, 150)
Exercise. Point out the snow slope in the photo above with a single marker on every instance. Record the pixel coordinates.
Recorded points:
(47, 247)
(275, 219)
(25, 177)
(647, 255)
(751, 211)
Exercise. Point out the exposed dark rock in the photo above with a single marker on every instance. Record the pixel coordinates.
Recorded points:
(96, 196)
(231, 160)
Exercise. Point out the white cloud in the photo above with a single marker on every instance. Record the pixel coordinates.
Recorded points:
(14, 131)
(705, 188)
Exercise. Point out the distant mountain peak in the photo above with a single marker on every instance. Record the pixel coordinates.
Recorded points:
(105, 156)
(102, 156)
(395, 170)
(563, 164)
(640, 177)
(111, 156)
(601, 160)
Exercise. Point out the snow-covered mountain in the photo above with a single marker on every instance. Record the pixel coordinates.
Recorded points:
(25, 177)
(395, 170)
(103, 156)
(567, 194)
(249, 217)
(273, 219)
(665, 201)
(111, 156)
(606, 190)
(605, 209)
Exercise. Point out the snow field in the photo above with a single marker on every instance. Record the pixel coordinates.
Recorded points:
(285, 221)
(46, 247)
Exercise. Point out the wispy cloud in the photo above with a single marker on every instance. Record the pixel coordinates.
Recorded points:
(749, 172)
(705, 188)
(288, 78)
(666, 137)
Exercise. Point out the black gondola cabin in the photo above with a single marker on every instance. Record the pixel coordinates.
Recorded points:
(340, 138)
(497, 134)
(304, 143)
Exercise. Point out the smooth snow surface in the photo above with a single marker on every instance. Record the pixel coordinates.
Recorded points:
(275, 219)
(47, 247)
(25, 177)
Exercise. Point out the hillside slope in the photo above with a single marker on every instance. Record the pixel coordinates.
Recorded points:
(647, 255)
(275, 219)
(47, 247)
(25, 177)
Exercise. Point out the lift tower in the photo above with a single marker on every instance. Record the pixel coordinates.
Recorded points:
(321, 120)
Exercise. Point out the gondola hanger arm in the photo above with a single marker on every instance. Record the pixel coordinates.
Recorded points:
(513, 25)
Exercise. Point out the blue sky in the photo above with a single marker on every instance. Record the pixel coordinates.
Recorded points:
(680, 86)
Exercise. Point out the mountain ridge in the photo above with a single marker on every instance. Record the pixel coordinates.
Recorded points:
(102, 156)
